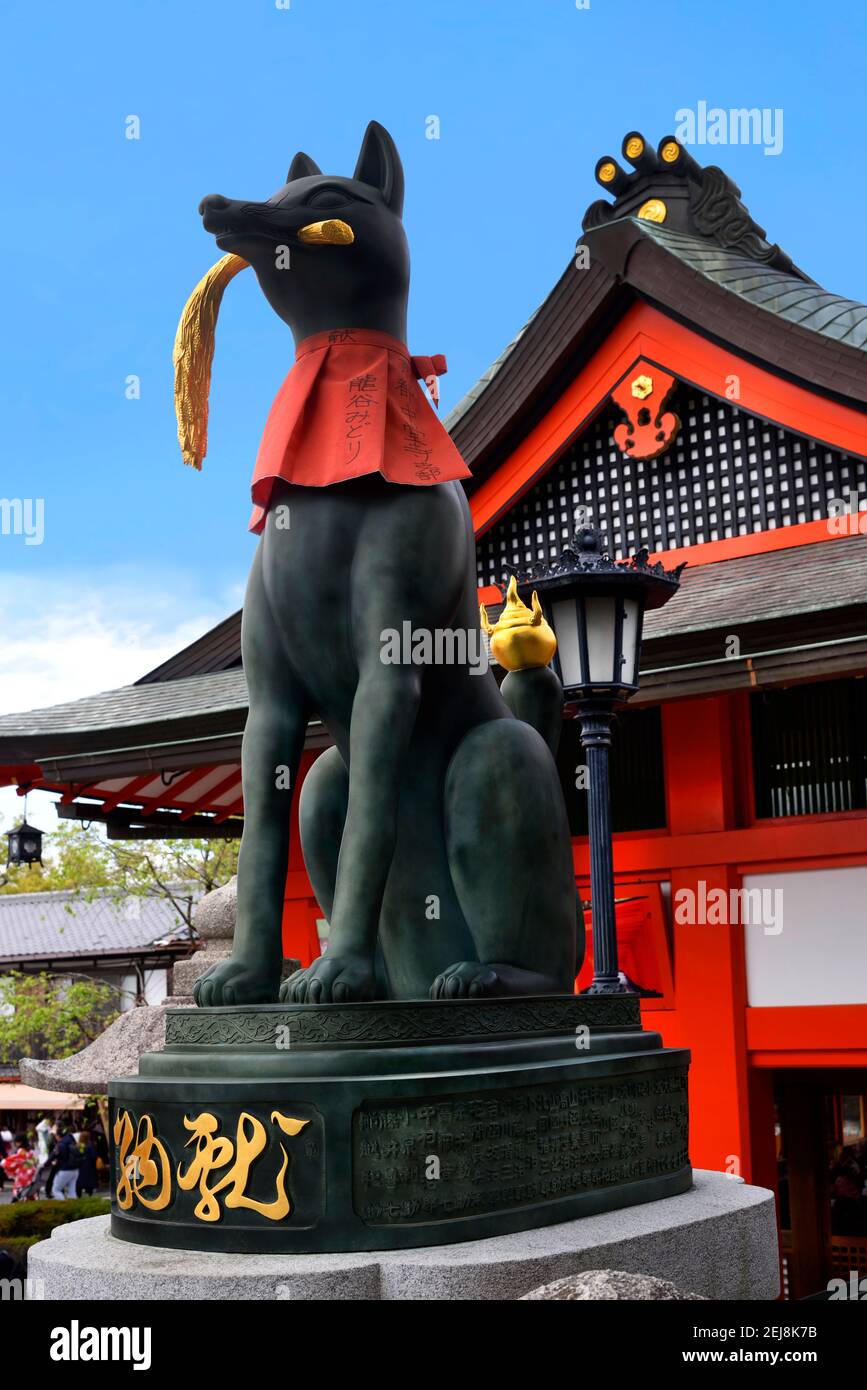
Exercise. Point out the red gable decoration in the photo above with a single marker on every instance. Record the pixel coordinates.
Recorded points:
(642, 396)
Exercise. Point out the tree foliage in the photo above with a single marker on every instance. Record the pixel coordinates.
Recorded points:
(52, 1016)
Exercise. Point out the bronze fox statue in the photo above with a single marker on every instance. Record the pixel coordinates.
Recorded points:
(434, 831)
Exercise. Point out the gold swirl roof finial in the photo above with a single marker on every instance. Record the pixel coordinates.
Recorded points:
(520, 638)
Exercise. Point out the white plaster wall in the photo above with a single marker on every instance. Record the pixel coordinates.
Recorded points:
(156, 986)
(820, 956)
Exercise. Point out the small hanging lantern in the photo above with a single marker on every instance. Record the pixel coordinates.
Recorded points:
(25, 843)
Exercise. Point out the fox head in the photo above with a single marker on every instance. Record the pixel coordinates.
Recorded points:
(329, 252)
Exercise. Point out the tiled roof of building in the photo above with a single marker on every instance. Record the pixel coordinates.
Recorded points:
(777, 291)
(67, 923)
(214, 693)
(758, 588)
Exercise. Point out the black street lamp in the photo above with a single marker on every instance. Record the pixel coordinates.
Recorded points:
(596, 607)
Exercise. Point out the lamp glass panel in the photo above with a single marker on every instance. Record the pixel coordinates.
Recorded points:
(565, 616)
(631, 619)
(601, 614)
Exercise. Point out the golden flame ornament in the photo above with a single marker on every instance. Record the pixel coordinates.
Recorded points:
(520, 638)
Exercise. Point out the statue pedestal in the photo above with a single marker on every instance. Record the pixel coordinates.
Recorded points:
(719, 1239)
(298, 1128)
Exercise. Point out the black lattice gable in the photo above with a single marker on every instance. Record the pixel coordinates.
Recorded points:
(727, 474)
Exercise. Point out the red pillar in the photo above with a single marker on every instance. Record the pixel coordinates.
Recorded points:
(709, 965)
(300, 909)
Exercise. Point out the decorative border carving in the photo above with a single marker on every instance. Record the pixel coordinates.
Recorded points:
(396, 1023)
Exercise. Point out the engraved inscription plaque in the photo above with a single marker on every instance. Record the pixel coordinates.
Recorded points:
(447, 1157)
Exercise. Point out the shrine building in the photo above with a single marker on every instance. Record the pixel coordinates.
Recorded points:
(684, 386)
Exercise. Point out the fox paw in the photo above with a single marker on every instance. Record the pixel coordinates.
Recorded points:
(232, 982)
(330, 980)
(469, 979)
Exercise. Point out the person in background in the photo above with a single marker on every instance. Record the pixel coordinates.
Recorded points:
(100, 1143)
(20, 1166)
(4, 1151)
(87, 1170)
(97, 1134)
(43, 1138)
(68, 1164)
(51, 1167)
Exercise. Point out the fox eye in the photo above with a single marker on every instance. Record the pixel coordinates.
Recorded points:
(327, 198)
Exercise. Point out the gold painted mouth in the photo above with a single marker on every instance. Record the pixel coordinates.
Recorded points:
(330, 233)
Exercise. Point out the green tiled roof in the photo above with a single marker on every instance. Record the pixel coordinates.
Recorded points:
(799, 301)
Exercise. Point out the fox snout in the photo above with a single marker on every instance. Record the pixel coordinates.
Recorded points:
(227, 219)
(211, 204)
(225, 215)
(247, 229)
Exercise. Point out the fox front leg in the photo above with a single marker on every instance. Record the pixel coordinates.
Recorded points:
(271, 756)
(383, 718)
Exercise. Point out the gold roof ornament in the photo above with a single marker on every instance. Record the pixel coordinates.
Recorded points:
(520, 638)
(642, 387)
(654, 210)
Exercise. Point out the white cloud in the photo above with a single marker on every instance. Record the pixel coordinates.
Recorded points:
(75, 634)
(78, 633)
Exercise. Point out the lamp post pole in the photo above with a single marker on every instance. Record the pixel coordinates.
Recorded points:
(597, 717)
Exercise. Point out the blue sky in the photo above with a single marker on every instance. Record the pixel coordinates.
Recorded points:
(101, 242)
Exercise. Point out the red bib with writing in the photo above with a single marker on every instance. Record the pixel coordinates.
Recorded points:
(352, 405)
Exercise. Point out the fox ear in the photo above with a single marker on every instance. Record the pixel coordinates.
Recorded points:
(301, 167)
(379, 165)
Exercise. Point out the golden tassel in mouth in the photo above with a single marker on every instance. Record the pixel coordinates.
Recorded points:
(330, 233)
(193, 355)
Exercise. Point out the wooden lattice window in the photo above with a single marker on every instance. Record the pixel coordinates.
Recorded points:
(810, 749)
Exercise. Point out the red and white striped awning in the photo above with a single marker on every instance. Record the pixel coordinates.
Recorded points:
(212, 790)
